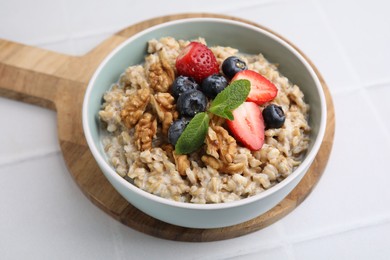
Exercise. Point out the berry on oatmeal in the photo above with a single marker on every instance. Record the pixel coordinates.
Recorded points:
(232, 65)
(248, 125)
(191, 102)
(262, 90)
(213, 84)
(273, 116)
(196, 60)
(176, 129)
(183, 84)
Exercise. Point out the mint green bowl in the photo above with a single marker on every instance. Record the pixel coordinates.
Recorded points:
(246, 38)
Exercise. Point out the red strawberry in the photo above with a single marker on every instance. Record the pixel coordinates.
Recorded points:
(197, 61)
(262, 90)
(248, 125)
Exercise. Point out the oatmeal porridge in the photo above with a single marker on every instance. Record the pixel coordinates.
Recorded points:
(139, 110)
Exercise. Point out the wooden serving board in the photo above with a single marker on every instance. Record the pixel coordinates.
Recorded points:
(57, 81)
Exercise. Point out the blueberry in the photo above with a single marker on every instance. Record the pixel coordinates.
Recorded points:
(213, 84)
(191, 102)
(273, 116)
(232, 65)
(176, 129)
(183, 84)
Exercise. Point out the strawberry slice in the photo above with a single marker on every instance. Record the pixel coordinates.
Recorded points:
(248, 125)
(262, 90)
(198, 61)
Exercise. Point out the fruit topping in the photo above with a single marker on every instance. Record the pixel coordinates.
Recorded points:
(248, 125)
(176, 129)
(273, 116)
(191, 102)
(227, 100)
(232, 65)
(262, 90)
(213, 84)
(198, 61)
(182, 84)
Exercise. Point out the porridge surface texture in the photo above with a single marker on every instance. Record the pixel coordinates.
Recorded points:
(139, 108)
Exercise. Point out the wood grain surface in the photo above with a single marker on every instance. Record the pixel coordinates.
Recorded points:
(57, 81)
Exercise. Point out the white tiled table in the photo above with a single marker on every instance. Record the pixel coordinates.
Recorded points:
(44, 215)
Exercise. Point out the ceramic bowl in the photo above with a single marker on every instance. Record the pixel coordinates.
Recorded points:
(246, 38)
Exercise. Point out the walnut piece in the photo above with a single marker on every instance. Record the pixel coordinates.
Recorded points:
(221, 149)
(164, 105)
(145, 131)
(161, 74)
(135, 107)
(220, 144)
(169, 150)
(223, 167)
(182, 163)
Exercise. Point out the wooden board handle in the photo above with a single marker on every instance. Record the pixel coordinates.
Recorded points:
(30, 74)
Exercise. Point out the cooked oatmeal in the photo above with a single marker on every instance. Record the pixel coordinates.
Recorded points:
(139, 108)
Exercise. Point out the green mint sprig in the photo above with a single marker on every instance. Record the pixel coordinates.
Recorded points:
(230, 98)
(223, 104)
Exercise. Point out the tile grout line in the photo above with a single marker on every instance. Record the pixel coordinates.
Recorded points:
(69, 32)
(374, 84)
(362, 87)
(288, 245)
(112, 29)
(340, 48)
(376, 115)
(253, 5)
(344, 229)
(284, 244)
(71, 38)
(25, 158)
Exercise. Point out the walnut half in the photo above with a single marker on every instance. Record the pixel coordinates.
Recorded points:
(145, 131)
(221, 149)
(230, 168)
(164, 105)
(182, 163)
(135, 107)
(220, 144)
(160, 72)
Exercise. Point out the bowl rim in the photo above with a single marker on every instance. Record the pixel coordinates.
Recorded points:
(107, 169)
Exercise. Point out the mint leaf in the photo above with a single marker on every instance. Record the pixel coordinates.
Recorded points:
(230, 98)
(193, 135)
(229, 115)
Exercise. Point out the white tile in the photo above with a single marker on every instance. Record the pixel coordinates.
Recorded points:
(76, 45)
(63, 45)
(362, 29)
(379, 99)
(90, 16)
(363, 243)
(33, 22)
(268, 240)
(272, 254)
(83, 45)
(353, 189)
(46, 216)
(302, 23)
(26, 130)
